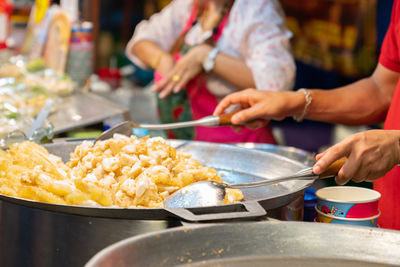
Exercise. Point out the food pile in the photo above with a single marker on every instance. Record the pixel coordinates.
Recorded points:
(121, 171)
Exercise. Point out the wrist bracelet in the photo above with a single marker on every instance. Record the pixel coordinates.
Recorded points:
(156, 61)
(308, 97)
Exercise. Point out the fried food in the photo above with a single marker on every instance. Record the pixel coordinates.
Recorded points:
(121, 171)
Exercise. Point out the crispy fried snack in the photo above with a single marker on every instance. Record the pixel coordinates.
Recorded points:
(121, 171)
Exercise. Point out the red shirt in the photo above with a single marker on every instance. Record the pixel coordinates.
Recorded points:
(389, 185)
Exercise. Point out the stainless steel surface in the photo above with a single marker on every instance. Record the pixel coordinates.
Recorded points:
(82, 109)
(126, 126)
(41, 118)
(206, 121)
(211, 193)
(38, 238)
(256, 244)
(40, 234)
(208, 193)
(234, 164)
(294, 153)
(199, 194)
(305, 174)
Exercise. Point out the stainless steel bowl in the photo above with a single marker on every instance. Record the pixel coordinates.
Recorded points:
(42, 234)
(256, 244)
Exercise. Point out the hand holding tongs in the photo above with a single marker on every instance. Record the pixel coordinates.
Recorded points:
(212, 193)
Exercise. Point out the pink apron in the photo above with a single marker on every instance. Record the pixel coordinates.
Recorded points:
(197, 102)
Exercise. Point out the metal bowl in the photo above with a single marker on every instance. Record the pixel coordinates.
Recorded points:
(256, 244)
(42, 234)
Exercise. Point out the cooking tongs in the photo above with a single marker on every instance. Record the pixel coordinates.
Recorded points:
(211, 193)
(126, 127)
(304, 174)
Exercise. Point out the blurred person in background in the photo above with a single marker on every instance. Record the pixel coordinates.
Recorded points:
(203, 50)
(370, 154)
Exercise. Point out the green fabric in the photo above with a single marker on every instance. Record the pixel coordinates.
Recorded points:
(175, 102)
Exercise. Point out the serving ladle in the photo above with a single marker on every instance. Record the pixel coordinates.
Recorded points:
(126, 127)
(211, 193)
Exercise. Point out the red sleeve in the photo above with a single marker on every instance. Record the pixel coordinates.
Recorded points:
(390, 57)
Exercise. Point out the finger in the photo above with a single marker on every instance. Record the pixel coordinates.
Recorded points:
(320, 155)
(358, 179)
(235, 98)
(333, 153)
(167, 90)
(348, 171)
(244, 105)
(225, 102)
(360, 175)
(256, 124)
(339, 181)
(168, 78)
(153, 88)
(237, 128)
(161, 84)
(184, 80)
(245, 115)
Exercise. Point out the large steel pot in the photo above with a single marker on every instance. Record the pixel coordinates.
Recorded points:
(41, 234)
(256, 244)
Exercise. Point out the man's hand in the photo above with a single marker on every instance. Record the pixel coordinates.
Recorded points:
(371, 154)
(265, 105)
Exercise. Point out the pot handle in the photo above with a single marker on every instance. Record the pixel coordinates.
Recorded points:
(242, 210)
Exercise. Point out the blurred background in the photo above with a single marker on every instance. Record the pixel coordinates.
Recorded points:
(334, 43)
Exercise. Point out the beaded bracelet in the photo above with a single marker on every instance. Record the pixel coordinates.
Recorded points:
(308, 97)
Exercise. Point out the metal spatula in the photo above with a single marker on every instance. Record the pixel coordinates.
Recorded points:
(210, 193)
(126, 127)
(41, 118)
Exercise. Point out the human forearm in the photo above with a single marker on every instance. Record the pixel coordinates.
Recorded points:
(231, 69)
(359, 103)
(234, 70)
(363, 102)
(148, 52)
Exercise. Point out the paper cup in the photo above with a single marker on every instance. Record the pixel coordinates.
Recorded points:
(324, 218)
(348, 201)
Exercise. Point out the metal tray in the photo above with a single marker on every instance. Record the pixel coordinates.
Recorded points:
(82, 109)
(235, 164)
(294, 153)
(256, 244)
